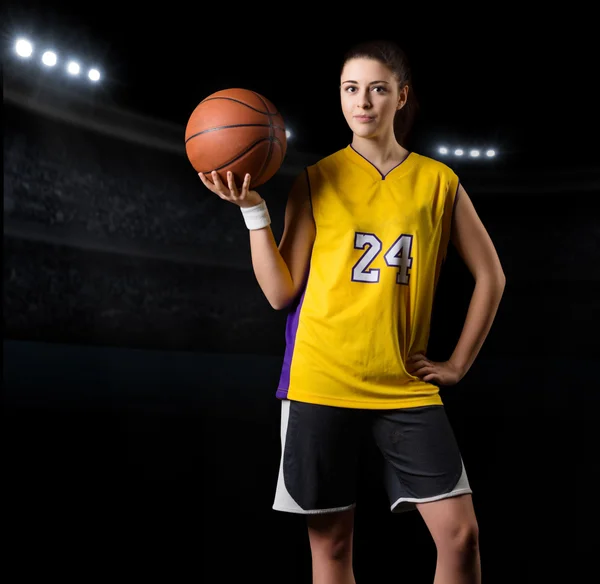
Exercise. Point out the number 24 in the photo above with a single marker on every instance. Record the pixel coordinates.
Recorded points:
(397, 256)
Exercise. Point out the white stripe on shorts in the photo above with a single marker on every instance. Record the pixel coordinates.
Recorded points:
(283, 499)
(408, 503)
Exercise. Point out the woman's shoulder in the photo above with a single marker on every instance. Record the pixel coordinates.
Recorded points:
(427, 164)
(331, 159)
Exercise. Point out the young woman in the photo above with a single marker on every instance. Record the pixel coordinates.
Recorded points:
(365, 235)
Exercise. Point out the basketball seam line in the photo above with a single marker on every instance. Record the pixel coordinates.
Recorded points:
(267, 113)
(234, 126)
(271, 140)
(271, 135)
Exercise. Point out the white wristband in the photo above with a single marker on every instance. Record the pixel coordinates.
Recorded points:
(256, 217)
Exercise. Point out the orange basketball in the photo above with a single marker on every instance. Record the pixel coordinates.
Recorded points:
(237, 130)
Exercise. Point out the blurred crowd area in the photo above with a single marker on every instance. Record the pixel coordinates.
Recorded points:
(89, 184)
(64, 294)
(108, 242)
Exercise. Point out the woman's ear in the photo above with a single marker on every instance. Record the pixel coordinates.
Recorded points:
(402, 98)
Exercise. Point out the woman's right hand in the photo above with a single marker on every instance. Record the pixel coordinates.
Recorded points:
(245, 198)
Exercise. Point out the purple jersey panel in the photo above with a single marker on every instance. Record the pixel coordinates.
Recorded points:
(291, 329)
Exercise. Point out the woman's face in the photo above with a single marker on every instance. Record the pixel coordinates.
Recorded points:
(370, 97)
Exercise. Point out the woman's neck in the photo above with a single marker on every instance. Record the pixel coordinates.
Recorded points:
(380, 152)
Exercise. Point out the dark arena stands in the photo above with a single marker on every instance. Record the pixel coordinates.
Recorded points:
(164, 249)
(141, 361)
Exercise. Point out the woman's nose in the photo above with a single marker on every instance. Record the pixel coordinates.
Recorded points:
(363, 100)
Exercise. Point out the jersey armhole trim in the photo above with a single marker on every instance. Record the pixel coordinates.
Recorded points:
(309, 191)
(453, 209)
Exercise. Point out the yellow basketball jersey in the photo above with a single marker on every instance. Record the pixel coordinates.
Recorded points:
(366, 306)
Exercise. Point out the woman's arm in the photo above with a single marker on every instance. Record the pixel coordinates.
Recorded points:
(281, 269)
(475, 247)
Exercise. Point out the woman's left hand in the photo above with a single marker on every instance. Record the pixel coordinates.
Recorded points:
(440, 373)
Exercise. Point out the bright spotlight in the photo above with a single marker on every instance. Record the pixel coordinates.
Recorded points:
(490, 153)
(474, 153)
(23, 48)
(49, 58)
(459, 152)
(443, 150)
(288, 134)
(94, 74)
(73, 68)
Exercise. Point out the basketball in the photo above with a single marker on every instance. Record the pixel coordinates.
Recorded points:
(236, 130)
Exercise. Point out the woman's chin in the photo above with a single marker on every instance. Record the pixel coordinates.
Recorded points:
(363, 132)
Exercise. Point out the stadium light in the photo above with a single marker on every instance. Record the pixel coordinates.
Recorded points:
(73, 68)
(472, 152)
(49, 58)
(23, 48)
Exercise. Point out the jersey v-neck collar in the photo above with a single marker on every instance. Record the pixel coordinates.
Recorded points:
(400, 168)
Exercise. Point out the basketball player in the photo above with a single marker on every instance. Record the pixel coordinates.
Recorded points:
(365, 235)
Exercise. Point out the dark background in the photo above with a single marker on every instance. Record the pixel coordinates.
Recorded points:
(141, 359)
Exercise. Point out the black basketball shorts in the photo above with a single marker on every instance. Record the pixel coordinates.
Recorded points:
(320, 448)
